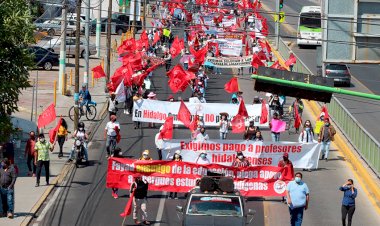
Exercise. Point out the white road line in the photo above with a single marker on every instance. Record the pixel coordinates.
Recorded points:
(161, 208)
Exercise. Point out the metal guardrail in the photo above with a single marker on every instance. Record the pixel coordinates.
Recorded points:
(363, 142)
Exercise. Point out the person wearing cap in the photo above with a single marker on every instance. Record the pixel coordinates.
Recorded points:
(8, 177)
(139, 188)
(202, 159)
(145, 156)
(42, 148)
(177, 157)
(326, 135)
(240, 161)
(288, 173)
(111, 131)
(112, 102)
(171, 98)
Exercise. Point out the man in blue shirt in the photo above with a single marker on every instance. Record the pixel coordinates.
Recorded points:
(297, 194)
(348, 202)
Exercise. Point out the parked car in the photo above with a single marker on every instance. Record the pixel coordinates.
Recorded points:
(339, 72)
(125, 18)
(44, 58)
(52, 27)
(117, 26)
(54, 45)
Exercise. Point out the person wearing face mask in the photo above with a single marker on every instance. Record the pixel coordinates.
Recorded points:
(145, 156)
(110, 133)
(202, 136)
(177, 157)
(326, 135)
(30, 154)
(202, 159)
(258, 137)
(348, 202)
(81, 135)
(8, 177)
(240, 161)
(288, 173)
(140, 190)
(297, 193)
(42, 148)
(307, 136)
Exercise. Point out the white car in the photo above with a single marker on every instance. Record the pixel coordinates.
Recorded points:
(54, 45)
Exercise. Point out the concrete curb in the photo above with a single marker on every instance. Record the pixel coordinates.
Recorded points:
(63, 174)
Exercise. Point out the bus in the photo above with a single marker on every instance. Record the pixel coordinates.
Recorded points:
(309, 26)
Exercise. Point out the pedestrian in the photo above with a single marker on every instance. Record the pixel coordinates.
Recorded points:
(202, 136)
(307, 136)
(30, 154)
(136, 98)
(298, 105)
(110, 134)
(177, 157)
(258, 137)
(275, 105)
(145, 155)
(159, 143)
(128, 104)
(298, 196)
(319, 124)
(202, 158)
(8, 177)
(348, 203)
(42, 148)
(139, 188)
(223, 126)
(240, 96)
(288, 173)
(168, 60)
(112, 102)
(250, 131)
(152, 96)
(116, 154)
(62, 136)
(240, 161)
(275, 135)
(234, 99)
(326, 135)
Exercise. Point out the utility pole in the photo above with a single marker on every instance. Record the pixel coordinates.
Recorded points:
(144, 14)
(77, 55)
(98, 29)
(134, 18)
(108, 68)
(86, 47)
(277, 24)
(62, 52)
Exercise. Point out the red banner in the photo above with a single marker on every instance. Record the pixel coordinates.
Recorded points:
(173, 176)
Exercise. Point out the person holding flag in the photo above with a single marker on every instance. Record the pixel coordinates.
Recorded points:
(62, 136)
(42, 148)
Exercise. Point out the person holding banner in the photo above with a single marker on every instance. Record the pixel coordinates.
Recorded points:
(288, 173)
(202, 136)
(140, 190)
(223, 126)
(306, 136)
(259, 137)
(145, 156)
(240, 161)
(177, 158)
(250, 131)
(276, 126)
(202, 159)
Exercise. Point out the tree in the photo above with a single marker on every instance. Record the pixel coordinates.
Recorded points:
(16, 33)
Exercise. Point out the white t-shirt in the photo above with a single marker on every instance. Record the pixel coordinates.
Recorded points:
(110, 127)
(201, 137)
(159, 141)
(203, 161)
(223, 126)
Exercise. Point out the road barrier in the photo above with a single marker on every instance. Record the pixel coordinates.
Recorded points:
(363, 142)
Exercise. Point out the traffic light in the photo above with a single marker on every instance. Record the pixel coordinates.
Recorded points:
(281, 4)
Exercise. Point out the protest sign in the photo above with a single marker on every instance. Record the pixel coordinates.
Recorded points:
(258, 153)
(157, 111)
(230, 62)
(172, 176)
(230, 47)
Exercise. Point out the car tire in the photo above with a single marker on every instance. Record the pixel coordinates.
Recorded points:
(51, 32)
(48, 66)
(83, 54)
(119, 32)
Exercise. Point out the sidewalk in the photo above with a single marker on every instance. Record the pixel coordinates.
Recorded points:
(28, 198)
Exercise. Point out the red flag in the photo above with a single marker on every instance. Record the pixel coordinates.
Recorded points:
(184, 115)
(53, 131)
(98, 72)
(156, 38)
(200, 54)
(297, 118)
(178, 79)
(264, 113)
(262, 55)
(247, 48)
(275, 65)
(292, 60)
(46, 116)
(194, 123)
(232, 86)
(242, 110)
(128, 207)
(238, 124)
(256, 62)
(324, 111)
(176, 47)
(214, 46)
(167, 130)
(128, 45)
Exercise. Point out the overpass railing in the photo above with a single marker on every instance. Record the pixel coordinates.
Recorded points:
(363, 142)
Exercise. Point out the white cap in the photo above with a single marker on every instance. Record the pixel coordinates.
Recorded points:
(178, 152)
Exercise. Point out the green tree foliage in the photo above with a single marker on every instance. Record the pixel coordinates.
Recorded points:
(16, 33)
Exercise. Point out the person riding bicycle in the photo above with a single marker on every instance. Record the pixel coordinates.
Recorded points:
(110, 133)
(85, 96)
(81, 135)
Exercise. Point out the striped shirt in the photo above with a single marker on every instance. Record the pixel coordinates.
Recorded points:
(42, 150)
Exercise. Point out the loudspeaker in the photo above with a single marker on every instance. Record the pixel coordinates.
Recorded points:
(292, 91)
(208, 184)
(226, 184)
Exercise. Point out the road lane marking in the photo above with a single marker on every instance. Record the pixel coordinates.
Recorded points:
(161, 208)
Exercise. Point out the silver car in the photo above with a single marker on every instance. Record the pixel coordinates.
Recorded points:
(340, 73)
(54, 45)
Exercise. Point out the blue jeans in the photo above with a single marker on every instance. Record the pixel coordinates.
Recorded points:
(296, 215)
(222, 136)
(110, 141)
(8, 195)
(325, 147)
(85, 151)
(275, 137)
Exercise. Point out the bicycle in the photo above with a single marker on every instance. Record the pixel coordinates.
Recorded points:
(90, 111)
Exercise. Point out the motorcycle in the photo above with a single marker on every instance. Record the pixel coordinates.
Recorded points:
(79, 153)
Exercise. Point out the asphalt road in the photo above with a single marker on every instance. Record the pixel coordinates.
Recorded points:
(365, 77)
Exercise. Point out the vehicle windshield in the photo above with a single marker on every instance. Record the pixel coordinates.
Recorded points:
(339, 67)
(311, 20)
(215, 206)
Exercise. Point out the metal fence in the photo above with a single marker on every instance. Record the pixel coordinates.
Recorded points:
(364, 143)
